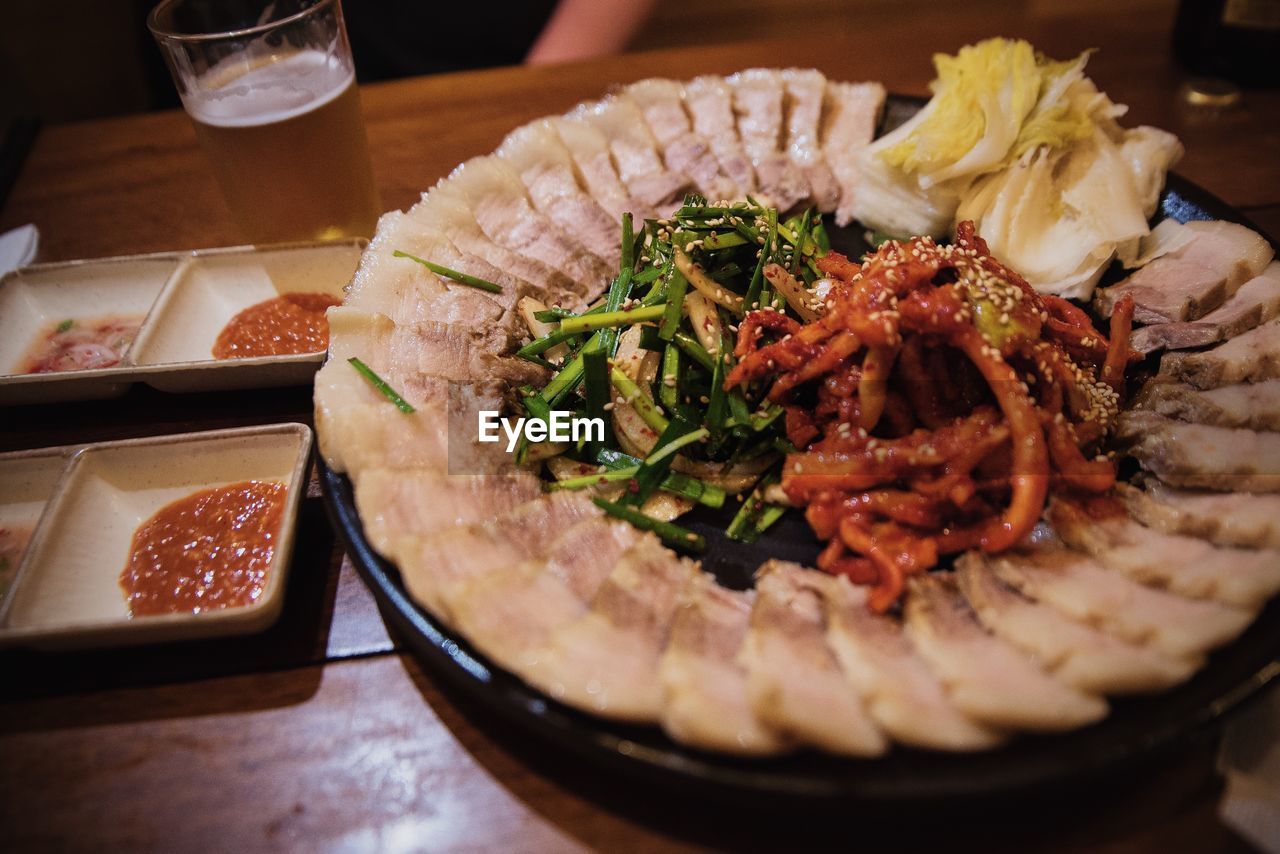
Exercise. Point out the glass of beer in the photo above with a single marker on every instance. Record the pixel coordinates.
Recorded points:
(271, 90)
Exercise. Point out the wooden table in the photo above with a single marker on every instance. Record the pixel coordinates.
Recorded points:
(321, 733)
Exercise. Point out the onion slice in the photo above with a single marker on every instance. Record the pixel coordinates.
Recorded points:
(706, 285)
(797, 295)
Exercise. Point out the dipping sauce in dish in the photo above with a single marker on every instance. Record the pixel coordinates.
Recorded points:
(209, 550)
(79, 344)
(290, 323)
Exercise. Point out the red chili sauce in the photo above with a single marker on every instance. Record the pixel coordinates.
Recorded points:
(79, 344)
(290, 323)
(207, 551)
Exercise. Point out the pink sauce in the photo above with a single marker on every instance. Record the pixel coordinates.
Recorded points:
(81, 344)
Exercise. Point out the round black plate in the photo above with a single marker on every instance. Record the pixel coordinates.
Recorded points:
(1137, 729)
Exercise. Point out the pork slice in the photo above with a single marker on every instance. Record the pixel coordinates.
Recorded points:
(758, 104)
(705, 688)
(498, 199)
(1185, 565)
(430, 348)
(1188, 283)
(1251, 357)
(586, 553)
(902, 694)
(1255, 406)
(1257, 301)
(395, 503)
(1228, 519)
(805, 90)
(448, 214)
(635, 153)
(794, 680)
(987, 678)
(353, 332)
(710, 104)
(515, 608)
(850, 114)
(387, 285)
(1076, 653)
(685, 151)
(438, 567)
(408, 292)
(508, 611)
(1202, 457)
(359, 429)
(546, 167)
(590, 151)
(607, 661)
(373, 435)
(1081, 588)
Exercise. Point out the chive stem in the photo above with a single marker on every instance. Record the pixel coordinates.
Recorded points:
(673, 535)
(605, 319)
(381, 385)
(460, 278)
(643, 406)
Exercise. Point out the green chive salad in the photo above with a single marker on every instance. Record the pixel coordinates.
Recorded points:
(650, 357)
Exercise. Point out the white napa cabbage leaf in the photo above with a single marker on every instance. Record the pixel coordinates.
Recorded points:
(1058, 216)
(1029, 149)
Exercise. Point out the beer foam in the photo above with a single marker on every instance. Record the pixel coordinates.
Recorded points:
(271, 92)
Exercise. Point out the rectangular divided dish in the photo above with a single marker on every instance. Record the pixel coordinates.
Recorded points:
(67, 589)
(183, 299)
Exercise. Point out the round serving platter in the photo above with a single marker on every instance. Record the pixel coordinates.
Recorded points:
(1137, 729)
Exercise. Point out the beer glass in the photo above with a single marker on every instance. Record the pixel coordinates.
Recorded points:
(271, 90)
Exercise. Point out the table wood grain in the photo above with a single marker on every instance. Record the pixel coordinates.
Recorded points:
(321, 733)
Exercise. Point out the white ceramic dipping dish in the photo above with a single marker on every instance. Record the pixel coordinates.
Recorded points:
(34, 298)
(186, 299)
(28, 480)
(67, 592)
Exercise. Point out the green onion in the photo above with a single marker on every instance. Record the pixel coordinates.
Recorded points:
(536, 406)
(569, 377)
(461, 278)
(595, 371)
(673, 535)
(738, 408)
(707, 242)
(606, 319)
(755, 515)
(593, 479)
(675, 482)
(656, 464)
(65, 325)
(802, 235)
(541, 345)
(669, 391)
(643, 406)
(691, 348)
(553, 315)
(676, 444)
(761, 420)
(752, 299)
(620, 288)
(677, 286)
(644, 277)
(718, 402)
(381, 385)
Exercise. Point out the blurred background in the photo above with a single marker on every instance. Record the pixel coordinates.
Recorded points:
(80, 59)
